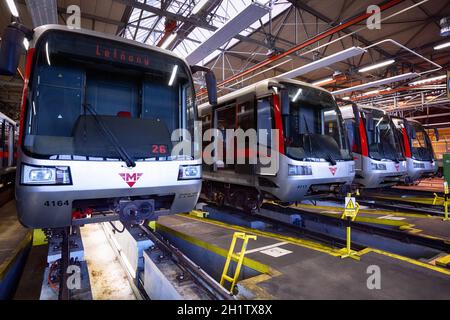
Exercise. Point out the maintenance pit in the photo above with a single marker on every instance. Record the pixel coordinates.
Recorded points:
(296, 269)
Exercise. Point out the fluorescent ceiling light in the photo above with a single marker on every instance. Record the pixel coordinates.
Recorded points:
(346, 98)
(371, 92)
(199, 6)
(42, 12)
(168, 41)
(442, 46)
(324, 62)
(252, 13)
(26, 43)
(377, 65)
(377, 83)
(297, 95)
(172, 77)
(415, 83)
(12, 7)
(323, 81)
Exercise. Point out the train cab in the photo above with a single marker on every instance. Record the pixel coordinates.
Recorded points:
(375, 146)
(313, 156)
(417, 149)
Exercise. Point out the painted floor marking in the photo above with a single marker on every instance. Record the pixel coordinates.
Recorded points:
(266, 247)
(391, 217)
(276, 252)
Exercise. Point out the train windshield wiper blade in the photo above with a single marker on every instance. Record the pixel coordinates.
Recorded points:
(112, 138)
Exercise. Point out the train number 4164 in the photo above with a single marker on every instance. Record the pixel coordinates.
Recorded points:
(59, 203)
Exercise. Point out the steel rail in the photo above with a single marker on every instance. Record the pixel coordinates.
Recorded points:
(198, 275)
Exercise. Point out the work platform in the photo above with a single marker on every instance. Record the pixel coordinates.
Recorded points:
(428, 184)
(284, 267)
(422, 224)
(15, 241)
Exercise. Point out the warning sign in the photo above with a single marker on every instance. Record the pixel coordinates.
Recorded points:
(351, 207)
(350, 203)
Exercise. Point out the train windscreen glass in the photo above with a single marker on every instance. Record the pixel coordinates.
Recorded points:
(421, 148)
(312, 125)
(82, 83)
(382, 137)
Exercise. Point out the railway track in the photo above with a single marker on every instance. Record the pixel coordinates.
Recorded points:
(191, 269)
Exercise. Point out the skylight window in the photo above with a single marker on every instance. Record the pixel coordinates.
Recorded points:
(150, 28)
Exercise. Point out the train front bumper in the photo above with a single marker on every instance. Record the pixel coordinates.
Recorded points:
(379, 174)
(420, 169)
(51, 206)
(323, 178)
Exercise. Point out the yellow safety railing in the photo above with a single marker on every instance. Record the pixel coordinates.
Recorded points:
(239, 257)
(446, 201)
(350, 212)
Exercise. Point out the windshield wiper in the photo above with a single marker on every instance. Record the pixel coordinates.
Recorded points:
(112, 138)
(329, 157)
(309, 138)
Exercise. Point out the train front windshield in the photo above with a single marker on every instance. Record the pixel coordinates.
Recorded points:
(382, 138)
(81, 84)
(312, 125)
(421, 148)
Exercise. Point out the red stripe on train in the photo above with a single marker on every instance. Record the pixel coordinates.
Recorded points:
(29, 62)
(278, 122)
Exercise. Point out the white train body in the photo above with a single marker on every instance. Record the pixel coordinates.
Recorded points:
(70, 170)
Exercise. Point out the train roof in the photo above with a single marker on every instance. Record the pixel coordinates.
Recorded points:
(261, 88)
(39, 31)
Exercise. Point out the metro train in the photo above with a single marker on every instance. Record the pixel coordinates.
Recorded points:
(8, 145)
(375, 145)
(417, 149)
(97, 116)
(312, 153)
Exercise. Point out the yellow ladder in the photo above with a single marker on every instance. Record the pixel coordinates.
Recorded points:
(239, 257)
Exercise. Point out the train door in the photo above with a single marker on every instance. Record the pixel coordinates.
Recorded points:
(245, 114)
(264, 125)
(225, 119)
(10, 145)
(206, 126)
(2, 143)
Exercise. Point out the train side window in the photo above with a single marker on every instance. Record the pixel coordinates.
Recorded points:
(206, 125)
(246, 116)
(265, 118)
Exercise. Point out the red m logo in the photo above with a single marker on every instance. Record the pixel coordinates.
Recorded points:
(131, 178)
(333, 170)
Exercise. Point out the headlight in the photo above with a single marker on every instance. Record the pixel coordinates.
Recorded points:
(46, 175)
(190, 172)
(419, 165)
(352, 168)
(299, 170)
(378, 166)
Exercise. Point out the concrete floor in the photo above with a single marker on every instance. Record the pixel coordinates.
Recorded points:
(108, 279)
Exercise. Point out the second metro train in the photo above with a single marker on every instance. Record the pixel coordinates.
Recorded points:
(314, 155)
